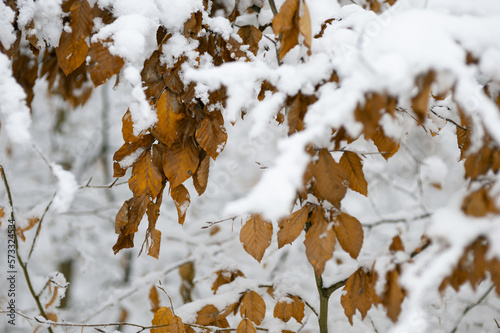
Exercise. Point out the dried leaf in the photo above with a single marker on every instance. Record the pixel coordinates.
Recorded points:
(397, 244)
(393, 295)
(479, 204)
(305, 26)
(297, 110)
(170, 114)
(163, 316)
(154, 248)
(360, 294)
(253, 307)
(386, 146)
(251, 36)
(291, 226)
(176, 325)
(246, 326)
(286, 23)
(331, 179)
(53, 298)
(290, 307)
(256, 236)
(146, 179)
(103, 64)
(211, 135)
(182, 199)
(73, 48)
(320, 241)
(349, 233)
(224, 277)
(180, 162)
(420, 103)
(200, 177)
(207, 315)
(351, 163)
(155, 299)
(20, 231)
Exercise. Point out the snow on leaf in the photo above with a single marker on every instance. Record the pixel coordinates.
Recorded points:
(253, 307)
(181, 198)
(386, 146)
(291, 306)
(291, 226)
(224, 277)
(320, 241)
(351, 163)
(103, 64)
(251, 36)
(349, 233)
(256, 236)
(420, 103)
(207, 315)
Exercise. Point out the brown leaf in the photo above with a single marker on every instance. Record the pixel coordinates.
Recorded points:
(181, 198)
(393, 295)
(20, 231)
(463, 134)
(494, 268)
(103, 64)
(397, 244)
(170, 114)
(155, 299)
(479, 204)
(200, 177)
(73, 48)
(297, 110)
(298, 308)
(186, 271)
(224, 277)
(127, 221)
(386, 146)
(176, 325)
(193, 26)
(370, 113)
(256, 236)
(251, 36)
(246, 326)
(128, 128)
(331, 179)
(420, 103)
(283, 310)
(305, 26)
(253, 307)
(291, 226)
(154, 248)
(163, 316)
(53, 298)
(207, 315)
(211, 135)
(320, 241)
(286, 23)
(351, 163)
(180, 162)
(146, 179)
(349, 233)
(360, 294)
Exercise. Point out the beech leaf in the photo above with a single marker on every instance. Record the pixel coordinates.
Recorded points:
(256, 236)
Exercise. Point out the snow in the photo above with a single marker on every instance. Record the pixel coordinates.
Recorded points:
(47, 19)
(67, 187)
(7, 36)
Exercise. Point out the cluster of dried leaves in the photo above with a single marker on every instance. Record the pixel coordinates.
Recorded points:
(190, 132)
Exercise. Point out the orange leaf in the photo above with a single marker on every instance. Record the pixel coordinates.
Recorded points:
(180, 162)
(253, 307)
(224, 277)
(20, 231)
(103, 64)
(146, 179)
(291, 226)
(386, 146)
(393, 295)
(128, 149)
(163, 316)
(73, 48)
(360, 294)
(207, 315)
(176, 325)
(320, 241)
(256, 236)
(251, 36)
(154, 248)
(211, 135)
(397, 244)
(479, 204)
(181, 198)
(155, 299)
(420, 102)
(170, 113)
(305, 26)
(351, 163)
(246, 326)
(349, 233)
(331, 179)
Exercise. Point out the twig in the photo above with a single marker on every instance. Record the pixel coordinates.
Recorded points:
(212, 223)
(416, 218)
(273, 7)
(471, 306)
(39, 228)
(447, 119)
(496, 322)
(19, 259)
(102, 186)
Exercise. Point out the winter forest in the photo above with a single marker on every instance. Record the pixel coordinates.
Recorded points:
(280, 166)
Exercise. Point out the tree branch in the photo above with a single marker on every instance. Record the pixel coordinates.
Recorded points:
(472, 306)
(19, 259)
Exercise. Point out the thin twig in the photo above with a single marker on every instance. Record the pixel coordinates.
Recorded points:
(102, 186)
(472, 306)
(416, 218)
(448, 119)
(39, 228)
(273, 7)
(212, 223)
(19, 259)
